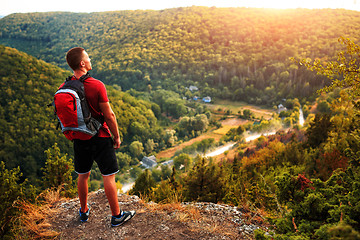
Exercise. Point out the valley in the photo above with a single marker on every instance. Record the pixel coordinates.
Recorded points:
(185, 85)
(232, 120)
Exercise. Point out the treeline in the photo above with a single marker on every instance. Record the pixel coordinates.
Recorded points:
(229, 53)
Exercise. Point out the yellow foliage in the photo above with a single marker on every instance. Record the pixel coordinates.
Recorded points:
(264, 157)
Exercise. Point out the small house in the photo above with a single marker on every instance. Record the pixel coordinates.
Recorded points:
(170, 162)
(149, 162)
(281, 108)
(193, 88)
(207, 99)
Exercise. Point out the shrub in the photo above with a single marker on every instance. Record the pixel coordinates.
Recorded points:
(58, 172)
(10, 192)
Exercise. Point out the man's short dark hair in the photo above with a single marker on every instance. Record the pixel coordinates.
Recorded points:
(74, 57)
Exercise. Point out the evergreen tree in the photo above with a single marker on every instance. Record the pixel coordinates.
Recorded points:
(318, 130)
(144, 184)
(58, 172)
(205, 182)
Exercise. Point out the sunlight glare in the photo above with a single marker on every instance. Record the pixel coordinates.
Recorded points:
(281, 4)
(12, 6)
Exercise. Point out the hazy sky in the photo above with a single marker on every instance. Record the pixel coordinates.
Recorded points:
(16, 6)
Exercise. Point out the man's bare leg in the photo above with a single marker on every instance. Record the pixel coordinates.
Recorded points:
(83, 190)
(111, 194)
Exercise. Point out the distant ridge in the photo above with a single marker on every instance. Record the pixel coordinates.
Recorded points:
(240, 54)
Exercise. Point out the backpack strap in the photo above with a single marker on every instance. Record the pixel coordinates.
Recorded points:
(81, 79)
(84, 77)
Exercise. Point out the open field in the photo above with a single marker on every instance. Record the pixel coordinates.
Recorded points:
(227, 124)
(216, 134)
(232, 121)
(168, 153)
(235, 107)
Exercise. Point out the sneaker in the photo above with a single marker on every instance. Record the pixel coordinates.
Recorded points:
(123, 217)
(84, 216)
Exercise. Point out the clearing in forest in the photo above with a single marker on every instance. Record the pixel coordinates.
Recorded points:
(231, 121)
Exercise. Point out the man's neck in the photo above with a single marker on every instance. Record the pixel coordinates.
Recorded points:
(79, 73)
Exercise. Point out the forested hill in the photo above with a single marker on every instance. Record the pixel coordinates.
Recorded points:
(28, 126)
(233, 53)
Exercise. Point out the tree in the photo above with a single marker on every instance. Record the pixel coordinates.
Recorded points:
(205, 182)
(248, 114)
(170, 138)
(136, 149)
(149, 146)
(200, 122)
(58, 172)
(240, 130)
(135, 172)
(183, 159)
(343, 72)
(137, 129)
(318, 130)
(165, 172)
(323, 107)
(143, 184)
(124, 160)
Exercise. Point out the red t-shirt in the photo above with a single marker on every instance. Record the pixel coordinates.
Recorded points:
(95, 93)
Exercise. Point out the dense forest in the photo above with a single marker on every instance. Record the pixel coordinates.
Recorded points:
(28, 126)
(229, 53)
(305, 181)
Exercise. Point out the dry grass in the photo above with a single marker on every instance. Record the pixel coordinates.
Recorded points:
(223, 130)
(213, 228)
(33, 222)
(181, 213)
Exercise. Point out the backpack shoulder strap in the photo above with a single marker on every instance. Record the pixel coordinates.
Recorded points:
(68, 78)
(84, 77)
(81, 79)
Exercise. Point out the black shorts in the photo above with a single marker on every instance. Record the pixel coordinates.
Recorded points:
(98, 149)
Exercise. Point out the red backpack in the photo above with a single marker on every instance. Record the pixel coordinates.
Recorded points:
(72, 110)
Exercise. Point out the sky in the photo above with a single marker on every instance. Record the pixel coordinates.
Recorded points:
(23, 6)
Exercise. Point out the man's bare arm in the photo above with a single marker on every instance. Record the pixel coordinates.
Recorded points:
(110, 119)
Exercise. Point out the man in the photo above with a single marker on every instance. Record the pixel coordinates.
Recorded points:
(100, 148)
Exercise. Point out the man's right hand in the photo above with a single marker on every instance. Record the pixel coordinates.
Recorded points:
(110, 119)
(117, 142)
